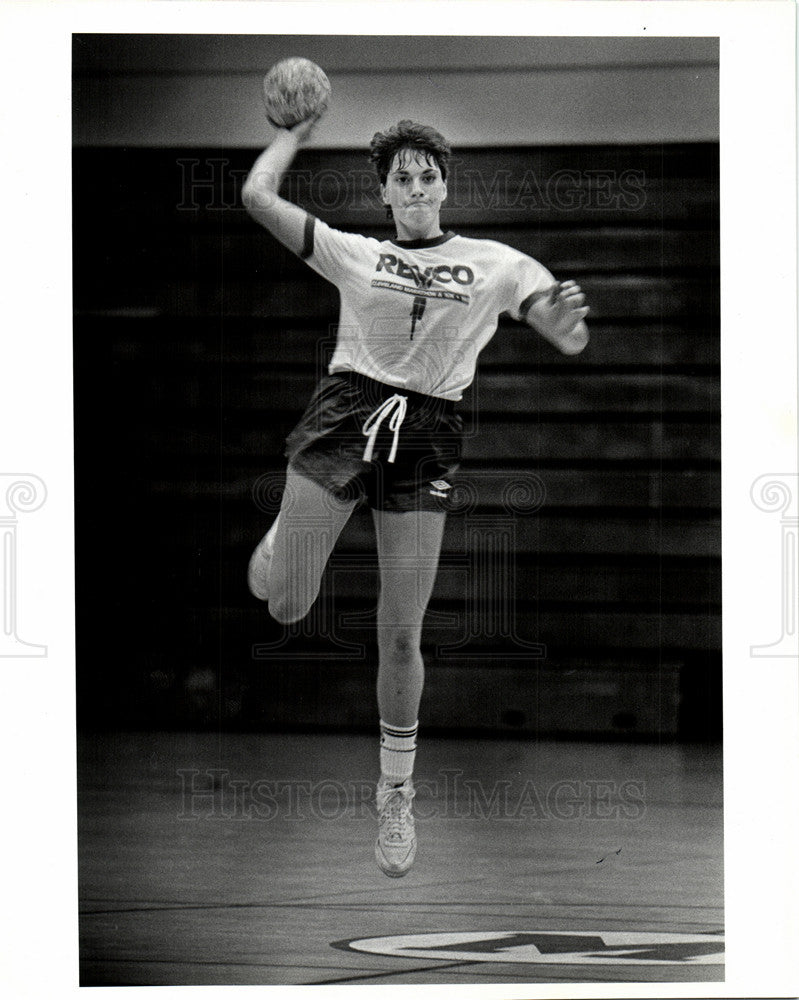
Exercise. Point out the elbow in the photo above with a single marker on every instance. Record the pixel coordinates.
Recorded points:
(248, 196)
(257, 194)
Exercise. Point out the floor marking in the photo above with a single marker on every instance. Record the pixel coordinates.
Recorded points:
(551, 947)
(390, 972)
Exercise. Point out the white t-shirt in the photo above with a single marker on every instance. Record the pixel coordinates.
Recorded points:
(416, 314)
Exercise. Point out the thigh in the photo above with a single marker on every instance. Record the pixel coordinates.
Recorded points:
(310, 522)
(408, 547)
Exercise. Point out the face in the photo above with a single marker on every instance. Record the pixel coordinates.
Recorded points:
(414, 189)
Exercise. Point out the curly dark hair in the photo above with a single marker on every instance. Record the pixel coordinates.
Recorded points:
(408, 135)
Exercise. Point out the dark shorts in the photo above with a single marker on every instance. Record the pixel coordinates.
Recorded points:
(329, 445)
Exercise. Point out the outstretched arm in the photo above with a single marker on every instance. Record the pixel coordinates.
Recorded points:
(285, 221)
(558, 315)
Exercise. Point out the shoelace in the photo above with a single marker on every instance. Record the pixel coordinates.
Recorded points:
(397, 403)
(396, 810)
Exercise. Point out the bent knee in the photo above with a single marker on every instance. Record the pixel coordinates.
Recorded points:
(287, 612)
(288, 604)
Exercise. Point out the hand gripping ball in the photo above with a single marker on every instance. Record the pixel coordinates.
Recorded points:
(295, 89)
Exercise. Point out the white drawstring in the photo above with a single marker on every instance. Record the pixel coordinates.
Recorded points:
(372, 424)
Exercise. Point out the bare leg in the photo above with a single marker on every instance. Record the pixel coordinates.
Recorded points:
(308, 526)
(408, 546)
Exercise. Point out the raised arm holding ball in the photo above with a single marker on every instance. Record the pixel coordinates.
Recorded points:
(415, 312)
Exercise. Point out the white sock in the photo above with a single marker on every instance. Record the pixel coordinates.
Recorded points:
(397, 751)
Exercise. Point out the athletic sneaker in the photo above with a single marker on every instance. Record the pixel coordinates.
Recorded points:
(260, 562)
(396, 839)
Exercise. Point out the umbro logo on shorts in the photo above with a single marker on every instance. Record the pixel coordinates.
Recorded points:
(440, 486)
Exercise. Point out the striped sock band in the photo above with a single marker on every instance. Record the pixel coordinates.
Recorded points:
(397, 751)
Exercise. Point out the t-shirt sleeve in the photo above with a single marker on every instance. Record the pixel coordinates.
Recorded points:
(527, 281)
(330, 252)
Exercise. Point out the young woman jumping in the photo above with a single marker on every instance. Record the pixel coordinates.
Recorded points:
(415, 312)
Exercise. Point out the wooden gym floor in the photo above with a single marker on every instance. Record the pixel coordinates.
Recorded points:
(248, 859)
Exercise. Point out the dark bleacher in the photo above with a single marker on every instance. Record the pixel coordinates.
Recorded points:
(197, 343)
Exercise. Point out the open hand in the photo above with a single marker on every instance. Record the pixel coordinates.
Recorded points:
(558, 313)
(565, 306)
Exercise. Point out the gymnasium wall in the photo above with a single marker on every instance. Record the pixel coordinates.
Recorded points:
(580, 585)
(166, 90)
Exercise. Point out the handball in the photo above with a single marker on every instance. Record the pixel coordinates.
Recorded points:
(295, 90)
